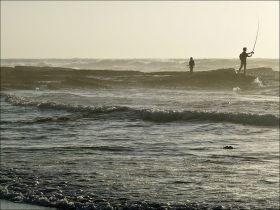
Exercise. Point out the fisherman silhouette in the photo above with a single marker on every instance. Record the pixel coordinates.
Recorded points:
(191, 64)
(243, 57)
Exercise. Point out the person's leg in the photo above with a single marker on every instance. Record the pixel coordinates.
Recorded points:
(241, 65)
(244, 68)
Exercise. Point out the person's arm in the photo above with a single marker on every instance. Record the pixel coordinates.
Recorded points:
(250, 54)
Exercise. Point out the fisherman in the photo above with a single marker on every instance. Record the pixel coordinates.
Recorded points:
(243, 57)
(191, 64)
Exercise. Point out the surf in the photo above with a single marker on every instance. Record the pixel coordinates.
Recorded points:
(151, 115)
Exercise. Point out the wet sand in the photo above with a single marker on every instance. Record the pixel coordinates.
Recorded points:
(21, 206)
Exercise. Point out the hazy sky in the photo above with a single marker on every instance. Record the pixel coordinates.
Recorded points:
(160, 29)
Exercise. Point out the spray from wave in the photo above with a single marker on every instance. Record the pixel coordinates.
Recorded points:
(258, 82)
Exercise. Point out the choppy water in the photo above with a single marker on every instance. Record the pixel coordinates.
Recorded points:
(145, 65)
(156, 141)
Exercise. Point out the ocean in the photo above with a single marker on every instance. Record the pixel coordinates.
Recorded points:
(140, 134)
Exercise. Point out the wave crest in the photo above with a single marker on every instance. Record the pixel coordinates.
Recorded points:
(239, 118)
(161, 116)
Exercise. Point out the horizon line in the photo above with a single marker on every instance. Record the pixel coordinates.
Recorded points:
(127, 58)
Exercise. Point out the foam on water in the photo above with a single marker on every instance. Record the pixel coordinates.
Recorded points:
(258, 82)
(236, 89)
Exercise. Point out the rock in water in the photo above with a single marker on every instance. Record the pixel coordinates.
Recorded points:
(228, 147)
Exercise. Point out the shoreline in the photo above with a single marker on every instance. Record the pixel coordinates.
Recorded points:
(9, 205)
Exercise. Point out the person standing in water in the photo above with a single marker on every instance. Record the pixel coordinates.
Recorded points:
(191, 64)
(243, 57)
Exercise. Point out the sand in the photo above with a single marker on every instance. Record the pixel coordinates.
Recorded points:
(21, 206)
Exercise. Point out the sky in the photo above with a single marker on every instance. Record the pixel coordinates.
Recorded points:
(138, 29)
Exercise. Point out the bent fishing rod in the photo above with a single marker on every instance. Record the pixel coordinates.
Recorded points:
(256, 36)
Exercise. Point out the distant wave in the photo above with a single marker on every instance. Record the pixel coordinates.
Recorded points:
(26, 77)
(159, 116)
(20, 101)
(146, 65)
(75, 148)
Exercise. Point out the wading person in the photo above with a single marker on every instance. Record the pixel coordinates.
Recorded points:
(191, 64)
(243, 57)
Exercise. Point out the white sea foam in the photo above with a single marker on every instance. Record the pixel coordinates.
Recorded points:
(258, 82)
(236, 89)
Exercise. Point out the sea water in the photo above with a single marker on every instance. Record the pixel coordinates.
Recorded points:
(77, 139)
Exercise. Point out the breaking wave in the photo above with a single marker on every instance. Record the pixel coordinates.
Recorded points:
(152, 115)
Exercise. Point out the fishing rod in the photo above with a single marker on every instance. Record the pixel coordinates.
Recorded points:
(256, 35)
